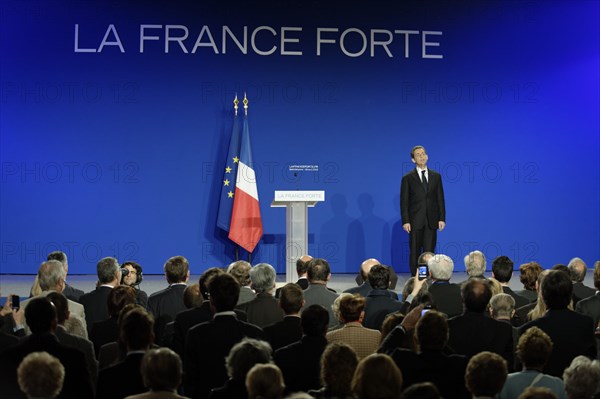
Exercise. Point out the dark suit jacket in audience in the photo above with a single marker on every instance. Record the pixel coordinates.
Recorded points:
(530, 295)
(378, 305)
(7, 340)
(141, 298)
(590, 307)
(474, 332)
(302, 282)
(262, 310)
(85, 346)
(522, 313)
(319, 294)
(581, 291)
(519, 300)
(446, 372)
(283, 333)
(103, 332)
(122, 379)
(300, 363)
(246, 295)
(72, 293)
(206, 347)
(95, 305)
(77, 383)
(365, 288)
(164, 305)
(191, 317)
(447, 297)
(572, 335)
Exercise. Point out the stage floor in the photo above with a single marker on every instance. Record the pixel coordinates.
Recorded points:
(21, 284)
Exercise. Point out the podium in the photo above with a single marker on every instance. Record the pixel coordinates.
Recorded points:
(296, 205)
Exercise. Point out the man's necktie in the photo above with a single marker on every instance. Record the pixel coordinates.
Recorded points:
(425, 182)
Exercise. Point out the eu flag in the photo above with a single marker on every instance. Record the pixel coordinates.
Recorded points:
(229, 178)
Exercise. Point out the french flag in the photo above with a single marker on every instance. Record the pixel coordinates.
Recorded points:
(246, 224)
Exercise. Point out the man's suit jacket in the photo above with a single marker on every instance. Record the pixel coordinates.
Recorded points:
(519, 300)
(474, 332)
(122, 379)
(364, 341)
(206, 346)
(418, 207)
(446, 372)
(581, 291)
(302, 282)
(77, 383)
(522, 313)
(246, 295)
(284, 332)
(95, 304)
(85, 346)
(300, 363)
(103, 332)
(189, 318)
(72, 293)
(262, 310)
(7, 340)
(319, 294)
(590, 307)
(378, 305)
(447, 297)
(530, 295)
(572, 335)
(365, 288)
(164, 305)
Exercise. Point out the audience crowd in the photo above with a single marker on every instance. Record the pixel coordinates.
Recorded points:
(233, 335)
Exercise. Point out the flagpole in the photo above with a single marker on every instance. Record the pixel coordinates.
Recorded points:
(245, 101)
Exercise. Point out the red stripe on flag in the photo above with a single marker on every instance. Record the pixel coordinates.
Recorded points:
(246, 224)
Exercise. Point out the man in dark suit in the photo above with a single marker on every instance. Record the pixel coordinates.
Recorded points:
(73, 341)
(591, 306)
(263, 309)
(577, 271)
(430, 363)
(125, 377)
(190, 317)
(95, 302)
(571, 333)
(364, 288)
(317, 292)
(166, 303)
(300, 362)
(40, 315)
(106, 331)
(207, 344)
(379, 303)
(70, 292)
(288, 330)
(422, 206)
(502, 270)
(446, 295)
(473, 331)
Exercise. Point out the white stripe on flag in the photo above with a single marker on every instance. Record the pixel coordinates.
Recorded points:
(246, 180)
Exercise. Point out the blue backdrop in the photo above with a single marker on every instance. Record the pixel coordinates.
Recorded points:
(115, 119)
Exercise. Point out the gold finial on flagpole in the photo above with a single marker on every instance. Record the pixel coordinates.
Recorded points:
(235, 104)
(245, 104)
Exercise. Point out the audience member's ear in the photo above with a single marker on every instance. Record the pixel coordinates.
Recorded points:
(328, 276)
